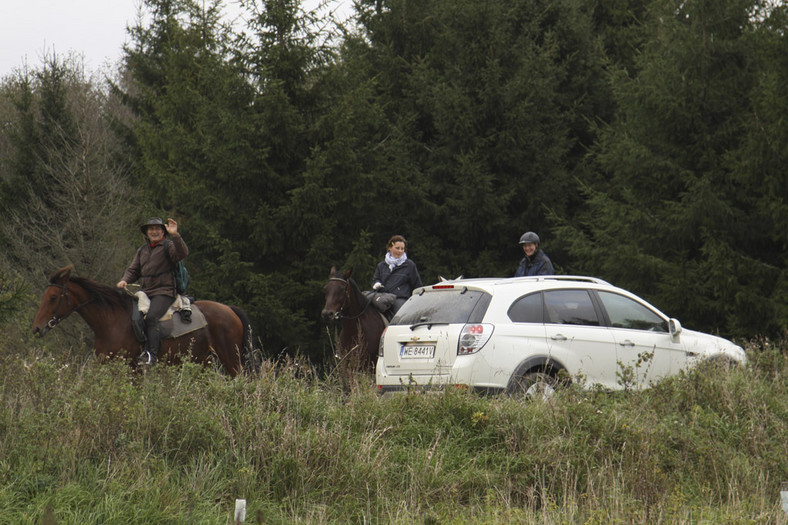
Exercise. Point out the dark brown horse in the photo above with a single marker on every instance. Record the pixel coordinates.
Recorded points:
(107, 310)
(362, 324)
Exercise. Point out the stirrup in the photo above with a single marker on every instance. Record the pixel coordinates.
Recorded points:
(146, 359)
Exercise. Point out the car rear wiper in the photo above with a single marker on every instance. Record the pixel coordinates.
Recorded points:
(429, 324)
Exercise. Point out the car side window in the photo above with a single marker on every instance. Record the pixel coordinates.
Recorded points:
(570, 307)
(527, 309)
(626, 313)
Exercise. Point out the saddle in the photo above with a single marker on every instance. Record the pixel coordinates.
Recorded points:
(170, 325)
(382, 301)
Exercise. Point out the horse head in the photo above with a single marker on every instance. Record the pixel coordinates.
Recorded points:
(357, 346)
(338, 292)
(56, 303)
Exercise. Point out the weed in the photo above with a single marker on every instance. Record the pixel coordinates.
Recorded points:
(82, 442)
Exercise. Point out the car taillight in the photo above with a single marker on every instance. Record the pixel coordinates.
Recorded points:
(380, 344)
(473, 337)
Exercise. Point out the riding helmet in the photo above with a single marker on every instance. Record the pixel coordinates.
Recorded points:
(529, 237)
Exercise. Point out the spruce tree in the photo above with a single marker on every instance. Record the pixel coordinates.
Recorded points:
(223, 141)
(484, 111)
(667, 215)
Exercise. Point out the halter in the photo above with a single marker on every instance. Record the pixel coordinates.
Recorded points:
(347, 298)
(64, 293)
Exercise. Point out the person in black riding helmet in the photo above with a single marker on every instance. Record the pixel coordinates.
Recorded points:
(535, 262)
(396, 273)
(153, 265)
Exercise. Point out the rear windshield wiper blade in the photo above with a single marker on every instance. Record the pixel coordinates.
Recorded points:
(429, 324)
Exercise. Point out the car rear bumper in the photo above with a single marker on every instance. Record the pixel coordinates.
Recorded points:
(388, 390)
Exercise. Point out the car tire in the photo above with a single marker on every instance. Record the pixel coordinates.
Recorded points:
(536, 386)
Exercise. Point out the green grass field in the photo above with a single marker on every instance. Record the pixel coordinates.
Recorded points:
(86, 443)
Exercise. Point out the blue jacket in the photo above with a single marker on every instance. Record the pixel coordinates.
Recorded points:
(539, 264)
(401, 281)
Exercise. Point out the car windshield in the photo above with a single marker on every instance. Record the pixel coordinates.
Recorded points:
(456, 305)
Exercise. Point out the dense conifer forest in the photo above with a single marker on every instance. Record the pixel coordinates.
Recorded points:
(643, 140)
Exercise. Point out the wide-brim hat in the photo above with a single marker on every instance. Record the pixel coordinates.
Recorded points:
(153, 221)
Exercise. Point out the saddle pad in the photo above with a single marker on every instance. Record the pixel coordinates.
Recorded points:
(174, 327)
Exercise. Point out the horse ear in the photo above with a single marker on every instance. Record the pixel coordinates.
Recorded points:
(333, 272)
(62, 275)
(348, 273)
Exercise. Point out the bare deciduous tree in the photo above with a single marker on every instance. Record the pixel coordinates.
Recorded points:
(77, 205)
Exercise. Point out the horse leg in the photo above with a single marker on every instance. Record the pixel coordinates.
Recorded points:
(373, 328)
(226, 335)
(351, 351)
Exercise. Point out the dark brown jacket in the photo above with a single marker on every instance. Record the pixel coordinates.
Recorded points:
(154, 266)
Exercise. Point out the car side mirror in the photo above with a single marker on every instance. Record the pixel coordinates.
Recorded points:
(674, 326)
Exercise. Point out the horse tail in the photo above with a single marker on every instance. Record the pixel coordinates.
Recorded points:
(250, 357)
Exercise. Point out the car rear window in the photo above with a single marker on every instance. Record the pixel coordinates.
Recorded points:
(450, 306)
(528, 309)
(570, 307)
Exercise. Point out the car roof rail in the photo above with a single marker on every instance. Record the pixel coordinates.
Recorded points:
(576, 278)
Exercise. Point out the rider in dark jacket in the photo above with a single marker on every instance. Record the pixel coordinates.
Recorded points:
(396, 273)
(535, 262)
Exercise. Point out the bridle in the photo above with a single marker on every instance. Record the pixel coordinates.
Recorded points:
(63, 293)
(339, 314)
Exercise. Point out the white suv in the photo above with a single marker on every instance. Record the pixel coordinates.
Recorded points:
(528, 334)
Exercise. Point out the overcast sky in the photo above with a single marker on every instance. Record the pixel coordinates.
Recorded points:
(94, 29)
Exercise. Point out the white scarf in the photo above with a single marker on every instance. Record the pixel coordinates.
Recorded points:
(394, 262)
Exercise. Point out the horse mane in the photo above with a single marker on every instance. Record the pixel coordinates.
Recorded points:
(362, 299)
(103, 295)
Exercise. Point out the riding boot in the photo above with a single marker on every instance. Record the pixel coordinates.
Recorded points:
(151, 354)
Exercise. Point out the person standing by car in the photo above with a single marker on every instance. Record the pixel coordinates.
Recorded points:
(154, 265)
(535, 262)
(396, 274)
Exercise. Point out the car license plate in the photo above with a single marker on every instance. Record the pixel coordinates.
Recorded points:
(417, 351)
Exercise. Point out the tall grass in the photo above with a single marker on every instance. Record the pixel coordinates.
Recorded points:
(82, 442)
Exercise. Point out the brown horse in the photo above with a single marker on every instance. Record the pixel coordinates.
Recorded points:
(362, 324)
(107, 310)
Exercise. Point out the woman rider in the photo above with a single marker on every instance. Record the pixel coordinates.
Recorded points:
(153, 265)
(396, 273)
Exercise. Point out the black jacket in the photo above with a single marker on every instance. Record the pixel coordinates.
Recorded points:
(401, 281)
(539, 264)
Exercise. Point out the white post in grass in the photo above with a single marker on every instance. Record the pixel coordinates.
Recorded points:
(784, 496)
(240, 511)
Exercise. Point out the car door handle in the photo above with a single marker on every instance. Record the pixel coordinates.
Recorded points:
(627, 343)
(558, 337)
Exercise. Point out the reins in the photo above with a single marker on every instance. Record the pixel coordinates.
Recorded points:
(64, 293)
(347, 298)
